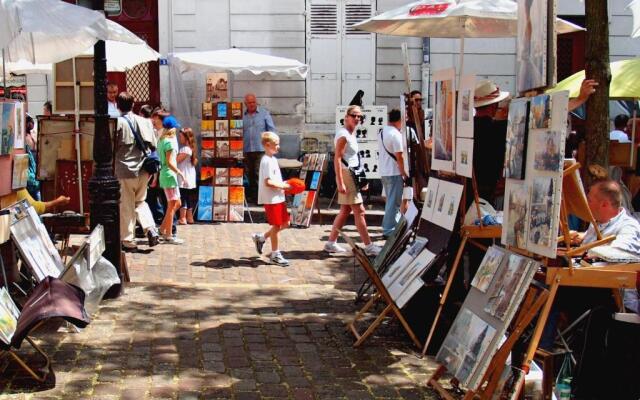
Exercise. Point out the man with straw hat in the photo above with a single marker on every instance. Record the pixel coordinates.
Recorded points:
(490, 133)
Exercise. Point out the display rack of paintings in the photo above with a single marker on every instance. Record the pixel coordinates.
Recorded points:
(493, 300)
(534, 174)
(374, 118)
(311, 172)
(220, 194)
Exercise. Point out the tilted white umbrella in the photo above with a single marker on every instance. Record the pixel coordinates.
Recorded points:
(122, 54)
(634, 6)
(45, 31)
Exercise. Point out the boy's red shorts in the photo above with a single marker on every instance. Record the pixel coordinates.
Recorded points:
(277, 214)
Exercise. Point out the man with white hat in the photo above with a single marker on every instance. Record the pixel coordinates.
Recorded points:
(490, 134)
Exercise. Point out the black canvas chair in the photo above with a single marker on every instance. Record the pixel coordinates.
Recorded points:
(51, 298)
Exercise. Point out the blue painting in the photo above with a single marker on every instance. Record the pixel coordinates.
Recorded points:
(7, 128)
(315, 179)
(205, 200)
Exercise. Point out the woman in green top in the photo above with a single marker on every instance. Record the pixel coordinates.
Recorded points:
(169, 172)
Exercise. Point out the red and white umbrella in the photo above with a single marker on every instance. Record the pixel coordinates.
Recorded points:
(453, 19)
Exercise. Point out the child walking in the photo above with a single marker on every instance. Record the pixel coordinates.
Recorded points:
(187, 161)
(271, 193)
(169, 173)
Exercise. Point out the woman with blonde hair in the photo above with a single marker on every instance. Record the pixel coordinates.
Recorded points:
(169, 173)
(187, 161)
(349, 197)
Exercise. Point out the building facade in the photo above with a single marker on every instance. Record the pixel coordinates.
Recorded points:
(342, 60)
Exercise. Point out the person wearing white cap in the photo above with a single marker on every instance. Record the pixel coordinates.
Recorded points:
(490, 135)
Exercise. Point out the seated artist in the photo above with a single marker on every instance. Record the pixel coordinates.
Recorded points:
(591, 347)
(41, 207)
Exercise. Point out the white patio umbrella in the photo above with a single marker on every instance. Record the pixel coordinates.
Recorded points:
(453, 19)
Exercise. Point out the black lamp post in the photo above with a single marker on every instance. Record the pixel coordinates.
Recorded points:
(104, 188)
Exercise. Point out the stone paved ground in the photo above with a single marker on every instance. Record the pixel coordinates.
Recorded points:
(210, 319)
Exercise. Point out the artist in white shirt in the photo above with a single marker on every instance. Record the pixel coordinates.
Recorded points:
(392, 173)
(620, 124)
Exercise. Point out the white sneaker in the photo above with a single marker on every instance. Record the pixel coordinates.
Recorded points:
(334, 248)
(278, 259)
(372, 250)
(172, 240)
(258, 240)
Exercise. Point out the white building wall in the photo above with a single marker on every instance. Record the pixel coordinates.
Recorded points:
(277, 27)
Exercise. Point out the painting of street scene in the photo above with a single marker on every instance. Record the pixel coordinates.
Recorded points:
(465, 345)
(443, 132)
(540, 219)
(547, 156)
(515, 217)
(507, 285)
(516, 142)
(540, 112)
(490, 263)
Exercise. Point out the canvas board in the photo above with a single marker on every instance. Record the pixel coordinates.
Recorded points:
(516, 139)
(531, 45)
(444, 118)
(546, 148)
(515, 222)
(476, 334)
(205, 206)
(464, 157)
(20, 126)
(488, 267)
(466, 92)
(7, 127)
(217, 87)
(366, 133)
(410, 273)
(447, 203)
(395, 270)
(430, 199)
(20, 171)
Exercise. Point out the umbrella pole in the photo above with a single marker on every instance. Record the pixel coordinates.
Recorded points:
(4, 75)
(633, 134)
(461, 58)
(76, 133)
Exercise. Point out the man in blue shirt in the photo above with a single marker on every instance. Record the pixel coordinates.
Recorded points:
(254, 121)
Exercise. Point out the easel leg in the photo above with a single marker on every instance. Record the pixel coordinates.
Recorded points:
(406, 326)
(373, 326)
(445, 293)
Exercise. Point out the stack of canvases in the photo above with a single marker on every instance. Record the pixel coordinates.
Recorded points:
(311, 174)
(403, 278)
(477, 332)
(221, 150)
(534, 156)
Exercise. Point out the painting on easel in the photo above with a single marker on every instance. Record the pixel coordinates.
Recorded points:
(507, 283)
(516, 143)
(490, 263)
(547, 156)
(444, 120)
(531, 51)
(540, 219)
(466, 343)
(514, 231)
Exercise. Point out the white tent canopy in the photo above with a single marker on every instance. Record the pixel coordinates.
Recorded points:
(237, 61)
(194, 66)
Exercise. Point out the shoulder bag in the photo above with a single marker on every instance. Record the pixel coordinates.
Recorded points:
(151, 162)
(357, 174)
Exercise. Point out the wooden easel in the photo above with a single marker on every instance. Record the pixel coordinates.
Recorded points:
(468, 233)
(381, 294)
(534, 299)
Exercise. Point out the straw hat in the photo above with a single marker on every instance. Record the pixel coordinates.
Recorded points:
(488, 93)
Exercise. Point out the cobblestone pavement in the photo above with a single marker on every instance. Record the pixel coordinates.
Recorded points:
(210, 319)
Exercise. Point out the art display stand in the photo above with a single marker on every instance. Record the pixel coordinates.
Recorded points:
(381, 295)
(535, 298)
(468, 233)
(312, 186)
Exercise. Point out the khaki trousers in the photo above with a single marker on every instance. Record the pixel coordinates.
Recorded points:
(133, 192)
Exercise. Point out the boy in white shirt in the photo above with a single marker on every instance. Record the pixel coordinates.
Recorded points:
(271, 193)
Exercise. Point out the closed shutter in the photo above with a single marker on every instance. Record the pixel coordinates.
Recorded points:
(358, 53)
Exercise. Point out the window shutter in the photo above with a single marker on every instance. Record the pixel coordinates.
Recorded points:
(355, 13)
(324, 19)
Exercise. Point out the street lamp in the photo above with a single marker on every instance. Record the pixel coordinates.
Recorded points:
(104, 188)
